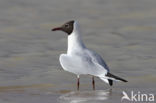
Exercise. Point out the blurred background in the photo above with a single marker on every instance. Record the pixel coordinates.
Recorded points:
(122, 31)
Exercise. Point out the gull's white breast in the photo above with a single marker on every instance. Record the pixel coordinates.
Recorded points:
(81, 63)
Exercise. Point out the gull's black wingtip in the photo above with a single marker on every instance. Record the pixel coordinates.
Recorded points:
(116, 77)
(110, 82)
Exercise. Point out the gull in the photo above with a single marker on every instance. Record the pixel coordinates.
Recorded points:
(82, 61)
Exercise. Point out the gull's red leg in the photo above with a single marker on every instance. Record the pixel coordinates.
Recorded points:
(78, 82)
(93, 83)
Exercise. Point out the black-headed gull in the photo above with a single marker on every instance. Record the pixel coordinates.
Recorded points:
(81, 60)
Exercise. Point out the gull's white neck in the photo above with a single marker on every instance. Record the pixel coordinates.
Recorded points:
(75, 43)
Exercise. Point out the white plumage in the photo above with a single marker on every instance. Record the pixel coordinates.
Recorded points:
(80, 60)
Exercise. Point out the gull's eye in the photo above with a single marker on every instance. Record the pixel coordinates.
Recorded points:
(66, 25)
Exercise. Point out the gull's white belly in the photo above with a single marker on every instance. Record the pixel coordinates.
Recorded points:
(80, 65)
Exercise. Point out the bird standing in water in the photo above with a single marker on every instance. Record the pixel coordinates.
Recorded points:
(81, 60)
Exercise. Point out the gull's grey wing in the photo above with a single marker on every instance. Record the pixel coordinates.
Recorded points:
(97, 59)
(81, 63)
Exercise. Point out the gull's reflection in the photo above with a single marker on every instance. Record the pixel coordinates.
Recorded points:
(85, 96)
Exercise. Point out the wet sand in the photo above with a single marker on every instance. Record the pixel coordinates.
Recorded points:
(122, 31)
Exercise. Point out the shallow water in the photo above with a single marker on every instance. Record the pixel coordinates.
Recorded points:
(122, 31)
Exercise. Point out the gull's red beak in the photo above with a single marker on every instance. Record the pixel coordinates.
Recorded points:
(55, 29)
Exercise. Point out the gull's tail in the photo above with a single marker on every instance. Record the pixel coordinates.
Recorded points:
(110, 77)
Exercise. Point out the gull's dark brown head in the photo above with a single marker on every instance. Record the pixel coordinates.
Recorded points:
(67, 27)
